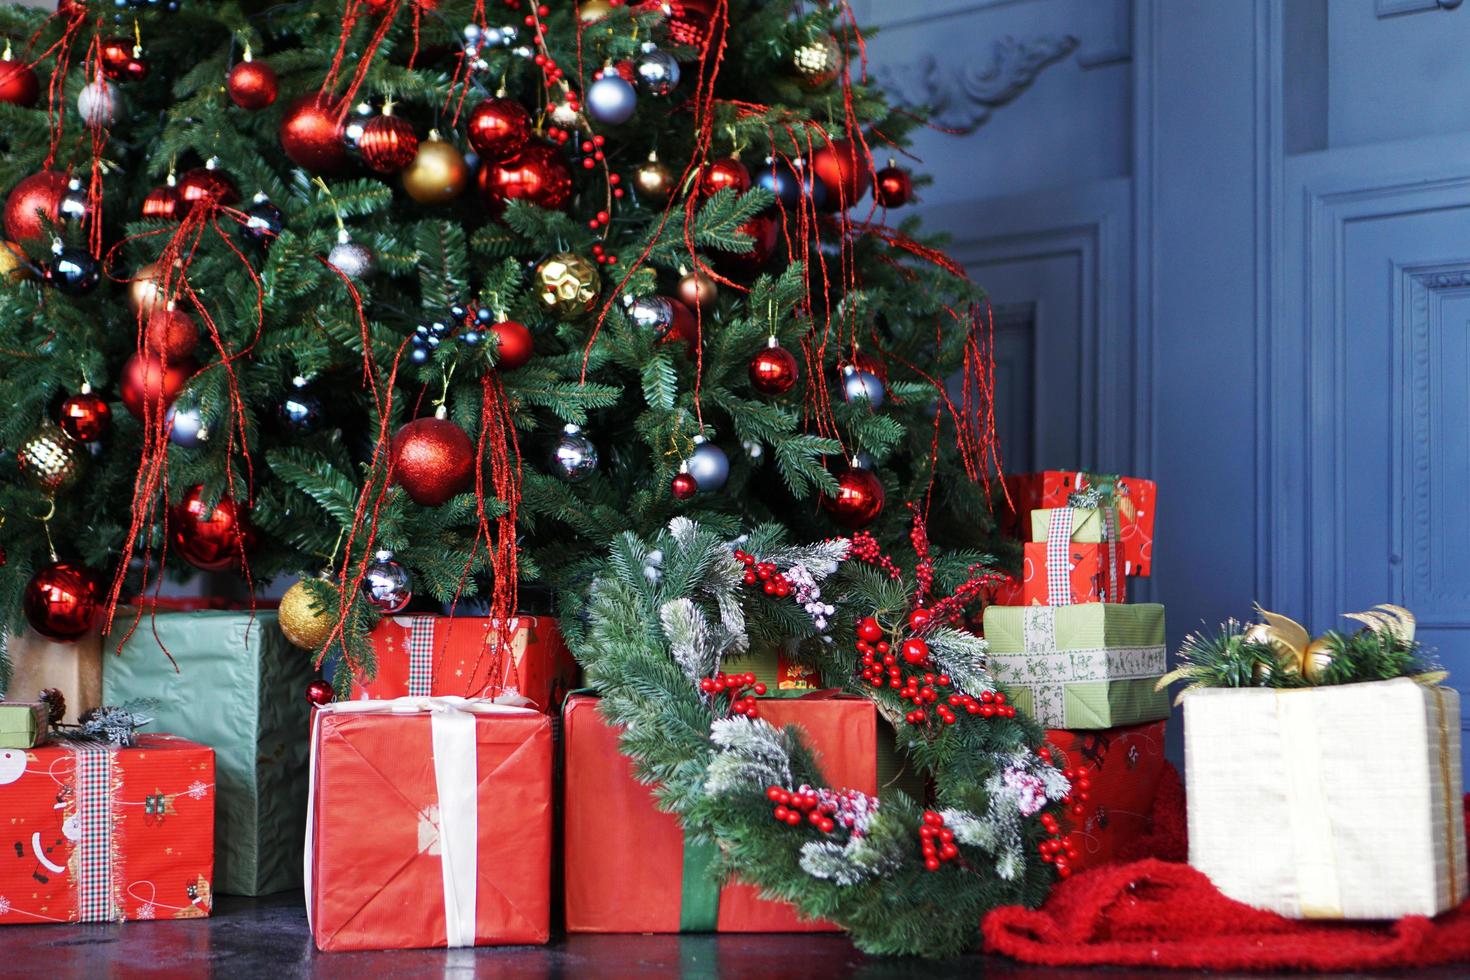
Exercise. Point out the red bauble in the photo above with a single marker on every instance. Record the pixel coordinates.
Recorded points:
(684, 486)
(205, 184)
(18, 84)
(688, 20)
(859, 499)
(537, 174)
(60, 601)
(685, 326)
(252, 85)
(773, 371)
(311, 135)
(514, 344)
(39, 194)
(211, 538)
(85, 417)
(433, 460)
(171, 335)
(846, 169)
(722, 173)
(499, 128)
(163, 203)
(915, 651)
(151, 381)
(388, 143)
(894, 187)
(765, 233)
(118, 61)
(319, 692)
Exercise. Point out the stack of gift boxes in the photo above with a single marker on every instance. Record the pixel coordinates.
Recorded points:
(1076, 655)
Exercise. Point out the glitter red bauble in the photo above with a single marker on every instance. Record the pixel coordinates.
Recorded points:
(685, 326)
(684, 486)
(205, 184)
(252, 85)
(311, 135)
(171, 335)
(388, 143)
(60, 601)
(688, 20)
(18, 84)
(319, 692)
(894, 187)
(846, 169)
(514, 344)
(433, 460)
(858, 501)
(773, 371)
(765, 232)
(499, 128)
(151, 381)
(162, 203)
(722, 173)
(211, 538)
(36, 195)
(537, 174)
(85, 417)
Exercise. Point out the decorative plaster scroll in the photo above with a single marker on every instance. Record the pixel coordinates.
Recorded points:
(963, 99)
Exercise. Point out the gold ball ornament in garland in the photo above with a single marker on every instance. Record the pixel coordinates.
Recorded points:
(50, 460)
(591, 11)
(14, 266)
(818, 62)
(145, 289)
(438, 173)
(654, 180)
(567, 285)
(304, 626)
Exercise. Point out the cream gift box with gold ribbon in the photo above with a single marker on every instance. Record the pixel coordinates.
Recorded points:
(1331, 802)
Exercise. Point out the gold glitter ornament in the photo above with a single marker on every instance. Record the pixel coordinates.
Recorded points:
(818, 62)
(567, 285)
(50, 460)
(304, 626)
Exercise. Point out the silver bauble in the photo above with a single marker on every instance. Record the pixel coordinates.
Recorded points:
(357, 120)
(709, 466)
(658, 71)
(386, 585)
(185, 426)
(611, 100)
(354, 261)
(859, 385)
(575, 457)
(74, 204)
(654, 314)
(97, 103)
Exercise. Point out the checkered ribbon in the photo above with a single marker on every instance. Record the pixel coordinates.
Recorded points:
(96, 769)
(420, 656)
(1059, 558)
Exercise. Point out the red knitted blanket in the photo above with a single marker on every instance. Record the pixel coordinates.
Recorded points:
(1163, 913)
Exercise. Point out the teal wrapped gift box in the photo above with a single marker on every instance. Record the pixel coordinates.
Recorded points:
(238, 689)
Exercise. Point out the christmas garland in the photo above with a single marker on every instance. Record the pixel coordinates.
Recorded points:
(902, 876)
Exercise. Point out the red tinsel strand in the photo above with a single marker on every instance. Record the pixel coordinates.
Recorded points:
(369, 375)
(364, 58)
(459, 84)
(56, 86)
(350, 15)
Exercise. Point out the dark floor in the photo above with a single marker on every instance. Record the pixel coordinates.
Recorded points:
(267, 939)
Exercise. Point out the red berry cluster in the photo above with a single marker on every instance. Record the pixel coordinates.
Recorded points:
(791, 805)
(924, 568)
(600, 254)
(864, 547)
(737, 686)
(1056, 849)
(773, 582)
(937, 841)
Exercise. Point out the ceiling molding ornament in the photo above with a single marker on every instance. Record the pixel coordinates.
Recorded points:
(963, 99)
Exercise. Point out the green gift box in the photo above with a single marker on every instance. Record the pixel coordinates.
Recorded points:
(238, 689)
(1087, 666)
(1086, 524)
(22, 724)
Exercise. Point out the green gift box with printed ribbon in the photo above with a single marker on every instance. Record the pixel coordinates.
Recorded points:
(22, 724)
(1087, 524)
(238, 689)
(1088, 666)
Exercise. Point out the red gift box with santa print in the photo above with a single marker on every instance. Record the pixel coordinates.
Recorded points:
(1134, 500)
(1124, 767)
(99, 833)
(1068, 575)
(464, 656)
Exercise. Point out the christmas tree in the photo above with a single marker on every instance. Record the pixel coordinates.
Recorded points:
(437, 298)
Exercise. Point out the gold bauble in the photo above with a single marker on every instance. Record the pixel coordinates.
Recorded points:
(145, 290)
(818, 62)
(567, 285)
(14, 266)
(1318, 658)
(305, 627)
(591, 11)
(698, 290)
(438, 173)
(1261, 674)
(654, 180)
(50, 460)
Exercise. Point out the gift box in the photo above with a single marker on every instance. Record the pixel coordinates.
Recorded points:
(22, 724)
(237, 688)
(1124, 767)
(1069, 574)
(74, 669)
(1088, 666)
(1339, 802)
(774, 667)
(430, 825)
(1134, 499)
(99, 833)
(628, 867)
(422, 656)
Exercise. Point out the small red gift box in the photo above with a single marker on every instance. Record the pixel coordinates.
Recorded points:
(1124, 767)
(101, 834)
(424, 656)
(627, 867)
(1075, 574)
(1052, 488)
(429, 824)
